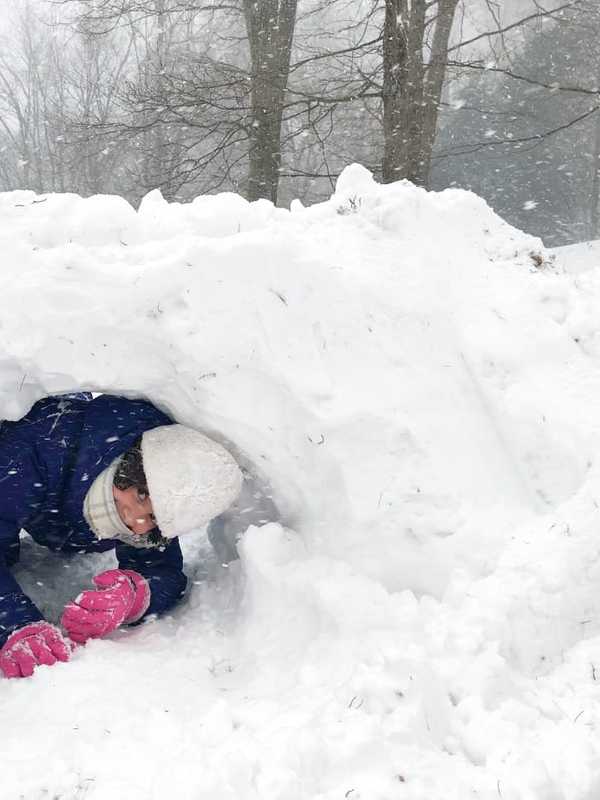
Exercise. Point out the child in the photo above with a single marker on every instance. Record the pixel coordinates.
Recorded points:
(89, 475)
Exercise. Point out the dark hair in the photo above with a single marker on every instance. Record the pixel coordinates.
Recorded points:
(130, 470)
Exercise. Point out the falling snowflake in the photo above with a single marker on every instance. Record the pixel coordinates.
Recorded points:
(529, 205)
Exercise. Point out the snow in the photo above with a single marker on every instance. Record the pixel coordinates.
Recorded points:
(420, 382)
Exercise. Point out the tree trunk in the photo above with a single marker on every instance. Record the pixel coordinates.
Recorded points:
(270, 27)
(594, 218)
(434, 83)
(412, 88)
(593, 225)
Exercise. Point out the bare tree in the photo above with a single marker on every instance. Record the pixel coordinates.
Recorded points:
(93, 79)
(24, 100)
(418, 48)
(55, 86)
(412, 86)
(195, 93)
(270, 28)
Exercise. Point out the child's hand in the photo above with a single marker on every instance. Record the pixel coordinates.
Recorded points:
(122, 596)
(32, 645)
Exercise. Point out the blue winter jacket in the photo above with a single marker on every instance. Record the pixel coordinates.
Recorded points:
(48, 461)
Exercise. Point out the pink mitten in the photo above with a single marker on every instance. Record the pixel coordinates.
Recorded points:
(122, 596)
(32, 645)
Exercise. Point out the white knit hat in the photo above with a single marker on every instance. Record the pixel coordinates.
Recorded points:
(191, 479)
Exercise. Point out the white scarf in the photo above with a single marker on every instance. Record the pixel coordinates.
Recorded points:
(99, 507)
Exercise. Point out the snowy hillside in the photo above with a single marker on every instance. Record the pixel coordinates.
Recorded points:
(421, 384)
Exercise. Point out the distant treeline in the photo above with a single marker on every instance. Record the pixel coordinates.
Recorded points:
(273, 98)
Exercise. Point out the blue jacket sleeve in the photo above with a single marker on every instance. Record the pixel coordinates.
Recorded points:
(22, 491)
(16, 609)
(162, 568)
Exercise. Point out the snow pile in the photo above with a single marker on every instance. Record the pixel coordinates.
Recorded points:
(421, 384)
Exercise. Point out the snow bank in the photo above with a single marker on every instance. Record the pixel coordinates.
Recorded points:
(420, 382)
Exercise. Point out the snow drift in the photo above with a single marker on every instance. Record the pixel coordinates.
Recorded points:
(420, 382)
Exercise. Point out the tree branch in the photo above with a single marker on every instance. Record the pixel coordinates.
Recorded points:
(553, 86)
(536, 16)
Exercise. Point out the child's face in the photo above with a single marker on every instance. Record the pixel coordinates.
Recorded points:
(135, 509)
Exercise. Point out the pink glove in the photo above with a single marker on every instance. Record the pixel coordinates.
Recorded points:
(32, 645)
(122, 596)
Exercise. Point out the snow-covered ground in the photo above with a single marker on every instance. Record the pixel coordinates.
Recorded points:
(421, 384)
